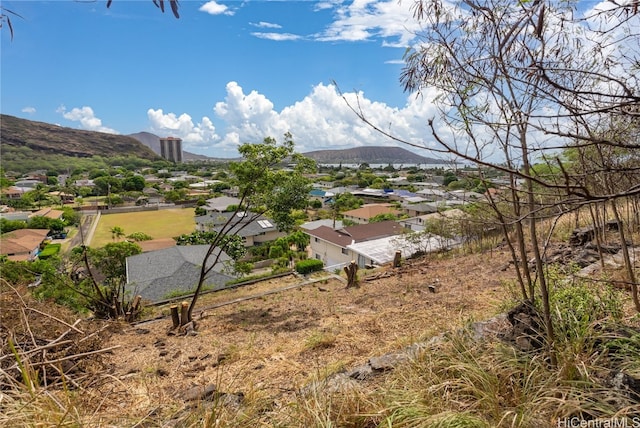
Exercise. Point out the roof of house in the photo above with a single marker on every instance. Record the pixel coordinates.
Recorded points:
(221, 203)
(358, 233)
(156, 244)
(383, 250)
(155, 274)
(243, 223)
(310, 225)
(12, 190)
(371, 210)
(446, 214)
(18, 244)
(48, 212)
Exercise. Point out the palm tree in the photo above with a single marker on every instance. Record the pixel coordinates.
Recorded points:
(117, 232)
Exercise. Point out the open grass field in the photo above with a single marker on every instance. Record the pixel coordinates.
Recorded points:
(157, 224)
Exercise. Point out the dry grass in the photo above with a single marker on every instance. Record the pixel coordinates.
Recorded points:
(269, 347)
(153, 223)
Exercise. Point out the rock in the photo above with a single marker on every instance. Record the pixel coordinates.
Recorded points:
(361, 372)
(199, 393)
(388, 361)
(625, 383)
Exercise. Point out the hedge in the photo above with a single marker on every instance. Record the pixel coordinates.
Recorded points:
(310, 265)
(49, 250)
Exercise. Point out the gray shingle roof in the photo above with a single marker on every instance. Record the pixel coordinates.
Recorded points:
(155, 274)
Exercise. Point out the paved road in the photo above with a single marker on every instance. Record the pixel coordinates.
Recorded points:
(84, 232)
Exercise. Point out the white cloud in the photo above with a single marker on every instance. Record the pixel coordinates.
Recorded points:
(263, 24)
(193, 135)
(278, 37)
(29, 110)
(213, 8)
(321, 120)
(363, 20)
(86, 117)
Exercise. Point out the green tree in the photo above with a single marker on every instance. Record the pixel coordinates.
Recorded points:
(117, 232)
(133, 183)
(110, 299)
(11, 225)
(264, 186)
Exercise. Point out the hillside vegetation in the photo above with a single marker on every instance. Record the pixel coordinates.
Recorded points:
(46, 139)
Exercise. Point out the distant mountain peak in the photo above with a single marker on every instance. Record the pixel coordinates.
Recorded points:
(371, 155)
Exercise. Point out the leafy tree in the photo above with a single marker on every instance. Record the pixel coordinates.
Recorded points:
(11, 225)
(449, 177)
(133, 183)
(117, 232)
(176, 195)
(106, 184)
(263, 187)
(39, 222)
(110, 299)
(507, 73)
(383, 217)
(230, 244)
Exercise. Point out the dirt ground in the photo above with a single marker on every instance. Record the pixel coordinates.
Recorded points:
(270, 345)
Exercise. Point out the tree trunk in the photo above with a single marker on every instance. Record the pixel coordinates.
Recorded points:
(175, 316)
(352, 274)
(185, 316)
(627, 259)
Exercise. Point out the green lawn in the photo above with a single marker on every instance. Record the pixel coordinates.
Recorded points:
(157, 224)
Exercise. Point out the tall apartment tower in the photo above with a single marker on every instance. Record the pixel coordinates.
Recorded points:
(171, 149)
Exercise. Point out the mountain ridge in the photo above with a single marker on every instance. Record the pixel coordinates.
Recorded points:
(44, 137)
(48, 138)
(371, 154)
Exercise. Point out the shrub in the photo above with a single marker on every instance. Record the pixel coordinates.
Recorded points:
(310, 265)
(275, 252)
(49, 251)
(139, 236)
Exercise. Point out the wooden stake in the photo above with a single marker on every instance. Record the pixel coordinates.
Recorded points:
(184, 313)
(175, 316)
(397, 259)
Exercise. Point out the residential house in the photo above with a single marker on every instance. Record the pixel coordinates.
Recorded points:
(49, 213)
(220, 204)
(13, 215)
(332, 246)
(22, 244)
(13, 192)
(310, 225)
(324, 196)
(65, 198)
(27, 185)
(382, 251)
(432, 194)
(371, 195)
(420, 223)
(253, 228)
(366, 212)
(204, 184)
(85, 182)
(417, 209)
(467, 195)
(38, 175)
(156, 275)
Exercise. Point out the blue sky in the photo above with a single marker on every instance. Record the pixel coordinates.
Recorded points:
(226, 72)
